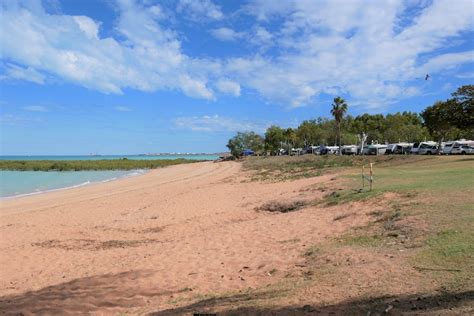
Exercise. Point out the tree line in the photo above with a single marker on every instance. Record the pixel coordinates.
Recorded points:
(444, 120)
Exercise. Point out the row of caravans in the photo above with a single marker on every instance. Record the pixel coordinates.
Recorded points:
(421, 148)
(458, 147)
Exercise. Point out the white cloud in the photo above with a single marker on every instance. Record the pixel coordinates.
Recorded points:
(16, 120)
(448, 61)
(21, 73)
(227, 34)
(229, 87)
(36, 108)
(198, 10)
(195, 88)
(466, 75)
(216, 123)
(261, 37)
(149, 57)
(88, 26)
(368, 50)
(122, 108)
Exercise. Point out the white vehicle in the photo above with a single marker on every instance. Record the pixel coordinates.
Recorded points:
(447, 148)
(311, 149)
(296, 151)
(462, 147)
(427, 148)
(399, 148)
(467, 150)
(374, 149)
(349, 149)
(333, 150)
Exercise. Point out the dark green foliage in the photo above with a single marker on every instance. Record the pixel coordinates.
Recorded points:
(453, 118)
(247, 140)
(438, 119)
(274, 138)
(78, 165)
(463, 111)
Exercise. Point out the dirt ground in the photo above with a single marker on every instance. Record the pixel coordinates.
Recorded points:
(194, 238)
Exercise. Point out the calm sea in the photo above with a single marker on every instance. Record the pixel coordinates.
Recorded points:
(21, 183)
(134, 157)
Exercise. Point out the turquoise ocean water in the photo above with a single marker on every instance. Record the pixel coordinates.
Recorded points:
(21, 183)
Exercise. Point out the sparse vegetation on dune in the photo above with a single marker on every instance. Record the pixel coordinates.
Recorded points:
(277, 168)
(438, 192)
(422, 218)
(78, 165)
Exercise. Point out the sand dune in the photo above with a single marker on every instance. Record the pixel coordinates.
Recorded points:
(136, 244)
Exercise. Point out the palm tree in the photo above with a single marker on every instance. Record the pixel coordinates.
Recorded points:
(339, 108)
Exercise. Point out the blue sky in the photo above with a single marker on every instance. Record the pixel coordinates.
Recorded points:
(116, 77)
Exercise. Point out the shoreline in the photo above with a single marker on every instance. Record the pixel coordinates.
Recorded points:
(133, 173)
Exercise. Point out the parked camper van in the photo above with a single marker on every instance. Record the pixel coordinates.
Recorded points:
(329, 150)
(349, 149)
(398, 149)
(447, 148)
(462, 147)
(296, 151)
(428, 148)
(424, 148)
(374, 149)
(467, 149)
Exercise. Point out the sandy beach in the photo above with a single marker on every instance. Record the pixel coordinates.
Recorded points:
(135, 242)
(177, 235)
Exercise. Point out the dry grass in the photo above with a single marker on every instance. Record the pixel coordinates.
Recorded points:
(282, 207)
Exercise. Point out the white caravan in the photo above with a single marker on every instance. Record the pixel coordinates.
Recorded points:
(447, 148)
(424, 148)
(374, 149)
(349, 149)
(399, 148)
(462, 147)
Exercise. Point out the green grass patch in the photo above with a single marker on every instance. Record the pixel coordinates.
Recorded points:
(411, 180)
(78, 165)
(437, 173)
(361, 241)
(450, 249)
(346, 196)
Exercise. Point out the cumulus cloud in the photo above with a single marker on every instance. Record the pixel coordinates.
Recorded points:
(229, 87)
(367, 50)
(447, 61)
(22, 73)
(148, 58)
(88, 26)
(216, 123)
(227, 34)
(199, 10)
